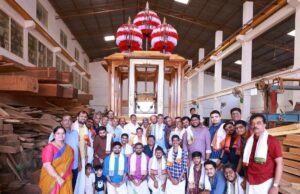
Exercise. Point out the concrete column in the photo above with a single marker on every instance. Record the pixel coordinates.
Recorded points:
(201, 83)
(131, 84)
(160, 87)
(218, 71)
(296, 4)
(246, 74)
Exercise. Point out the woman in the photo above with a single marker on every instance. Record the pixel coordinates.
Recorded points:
(57, 158)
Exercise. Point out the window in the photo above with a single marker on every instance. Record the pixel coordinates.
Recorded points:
(16, 39)
(4, 30)
(62, 66)
(32, 49)
(85, 85)
(76, 54)
(76, 80)
(63, 39)
(58, 63)
(49, 58)
(42, 55)
(85, 64)
(42, 14)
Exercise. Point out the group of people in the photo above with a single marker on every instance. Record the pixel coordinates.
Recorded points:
(104, 154)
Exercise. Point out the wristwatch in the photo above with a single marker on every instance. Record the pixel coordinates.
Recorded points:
(275, 185)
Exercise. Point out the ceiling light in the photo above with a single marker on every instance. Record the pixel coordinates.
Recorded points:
(292, 33)
(109, 38)
(239, 62)
(183, 1)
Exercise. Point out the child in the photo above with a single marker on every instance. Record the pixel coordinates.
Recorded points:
(100, 184)
(89, 180)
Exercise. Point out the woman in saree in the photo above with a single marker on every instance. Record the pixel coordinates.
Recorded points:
(57, 158)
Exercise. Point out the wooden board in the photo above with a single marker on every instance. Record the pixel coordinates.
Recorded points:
(291, 143)
(66, 78)
(9, 65)
(290, 177)
(287, 155)
(295, 151)
(18, 83)
(70, 92)
(50, 90)
(291, 163)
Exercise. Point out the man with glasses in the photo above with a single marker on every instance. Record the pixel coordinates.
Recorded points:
(263, 158)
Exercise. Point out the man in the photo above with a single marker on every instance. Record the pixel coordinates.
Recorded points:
(176, 167)
(84, 142)
(105, 123)
(110, 116)
(137, 167)
(217, 135)
(130, 128)
(153, 120)
(157, 172)
(193, 111)
(198, 181)
(102, 146)
(146, 127)
(263, 158)
(233, 180)
(231, 151)
(97, 119)
(148, 149)
(244, 133)
(115, 170)
(91, 133)
(179, 130)
(117, 132)
(168, 129)
(122, 123)
(216, 178)
(197, 138)
(158, 131)
(126, 148)
(139, 137)
(236, 114)
(72, 139)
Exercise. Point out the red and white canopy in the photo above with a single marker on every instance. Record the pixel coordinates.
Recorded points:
(164, 38)
(129, 38)
(146, 20)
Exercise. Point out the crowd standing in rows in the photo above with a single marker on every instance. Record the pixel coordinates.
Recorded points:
(104, 154)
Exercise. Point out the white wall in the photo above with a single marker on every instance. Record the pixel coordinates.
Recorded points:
(98, 86)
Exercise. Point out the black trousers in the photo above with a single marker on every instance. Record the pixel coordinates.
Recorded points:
(74, 178)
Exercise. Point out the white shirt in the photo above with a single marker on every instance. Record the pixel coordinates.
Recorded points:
(89, 181)
(130, 129)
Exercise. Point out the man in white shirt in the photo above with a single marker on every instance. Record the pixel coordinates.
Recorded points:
(131, 127)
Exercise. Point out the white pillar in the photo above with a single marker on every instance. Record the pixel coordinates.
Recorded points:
(189, 87)
(218, 71)
(131, 85)
(201, 83)
(296, 4)
(246, 61)
(160, 85)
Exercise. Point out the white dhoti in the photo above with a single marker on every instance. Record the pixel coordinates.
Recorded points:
(80, 182)
(172, 189)
(154, 190)
(141, 189)
(116, 190)
(262, 188)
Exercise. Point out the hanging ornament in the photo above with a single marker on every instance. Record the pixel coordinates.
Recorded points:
(129, 38)
(164, 38)
(146, 21)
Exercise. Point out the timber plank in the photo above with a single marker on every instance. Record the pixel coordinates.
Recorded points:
(290, 177)
(291, 170)
(9, 65)
(295, 151)
(18, 83)
(287, 155)
(70, 92)
(66, 77)
(291, 163)
(291, 143)
(50, 90)
(9, 149)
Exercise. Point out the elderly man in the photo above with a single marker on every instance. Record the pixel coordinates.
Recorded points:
(263, 158)
(146, 127)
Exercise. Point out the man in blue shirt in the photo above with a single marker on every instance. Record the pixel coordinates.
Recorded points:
(215, 117)
(216, 178)
(159, 131)
(115, 170)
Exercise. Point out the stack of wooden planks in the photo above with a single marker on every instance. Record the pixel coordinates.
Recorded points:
(24, 131)
(289, 136)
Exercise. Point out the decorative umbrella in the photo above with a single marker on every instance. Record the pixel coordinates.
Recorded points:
(164, 38)
(129, 38)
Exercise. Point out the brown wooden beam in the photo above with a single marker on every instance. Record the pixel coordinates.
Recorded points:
(66, 77)
(51, 90)
(70, 92)
(9, 65)
(18, 83)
